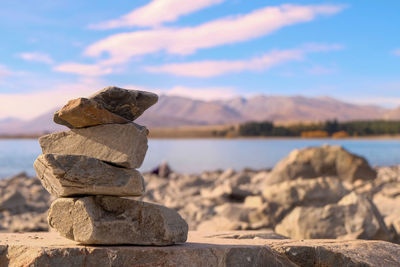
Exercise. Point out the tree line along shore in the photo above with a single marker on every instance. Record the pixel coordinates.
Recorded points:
(326, 129)
(270, 129)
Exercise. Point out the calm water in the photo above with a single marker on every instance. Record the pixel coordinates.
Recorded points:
(196, 155)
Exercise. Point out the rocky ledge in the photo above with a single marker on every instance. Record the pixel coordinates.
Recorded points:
(239, 248)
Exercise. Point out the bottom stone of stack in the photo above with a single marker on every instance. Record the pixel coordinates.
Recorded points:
(107, 220)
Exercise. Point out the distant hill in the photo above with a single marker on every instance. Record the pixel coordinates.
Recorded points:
(172, 111)
(393, 114)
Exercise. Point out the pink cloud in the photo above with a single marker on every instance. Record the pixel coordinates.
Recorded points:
(155, 13)
(212, 68)
(38, 102)
(36, 57)
(121, 47)
(4, 71)
(397, 52)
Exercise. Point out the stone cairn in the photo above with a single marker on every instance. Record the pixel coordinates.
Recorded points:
(92, 166)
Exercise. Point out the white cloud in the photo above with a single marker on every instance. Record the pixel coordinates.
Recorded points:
(121, 47)
(155, 13)
(36, 57)
(212, 68)
(84, 69)
(396, 52)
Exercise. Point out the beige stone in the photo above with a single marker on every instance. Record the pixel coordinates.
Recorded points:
(121, 144)
(114, 220)
(322, 161)
(129, 104)
(306, 192)
(353, 217)
(253, 201)
(69, 175)
(83, 112)
(238, 248)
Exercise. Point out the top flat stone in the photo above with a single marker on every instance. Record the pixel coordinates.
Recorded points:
(110, 105)
(83, 112)
(129, 104)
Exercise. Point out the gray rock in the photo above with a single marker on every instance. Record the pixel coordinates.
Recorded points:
(129, 104)
(220, 223)
(306, 192)
(339, 252)
(83, 112)
(353, 217)
(113, 220)
(121, 144)
(322, 161)
(69, 175)
(27, 221)
(389, 207)
(12, 200)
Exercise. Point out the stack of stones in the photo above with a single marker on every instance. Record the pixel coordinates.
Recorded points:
(91, 167)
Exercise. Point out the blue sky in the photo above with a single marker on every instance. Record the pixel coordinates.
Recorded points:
(52, 51)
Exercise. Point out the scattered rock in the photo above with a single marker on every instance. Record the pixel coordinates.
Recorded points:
(353, 217)
(322, 161)
(253, 201)
(389, 207)
(226, 191)
(12, 200)
(24, 204)
(219, 223)
(83, 112)
(112, 220)
(163, 170)
(121, 144)
(69, 175)
(305, 192)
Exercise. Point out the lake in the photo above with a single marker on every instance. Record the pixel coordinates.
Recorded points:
(197, 155)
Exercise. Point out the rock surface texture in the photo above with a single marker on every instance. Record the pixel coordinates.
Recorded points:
(70, 175)
(203, 249)
(83, 112)
(129, 104)
(114, 220)
(91, 168)
(124, 145)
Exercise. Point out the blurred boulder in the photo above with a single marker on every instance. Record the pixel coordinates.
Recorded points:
(305, 192)
(163, 170)
(353, 217)
(322, 161)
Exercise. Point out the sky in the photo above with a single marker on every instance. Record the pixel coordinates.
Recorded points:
(52, 51)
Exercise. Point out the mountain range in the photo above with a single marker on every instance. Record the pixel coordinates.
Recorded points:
(173, 111)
